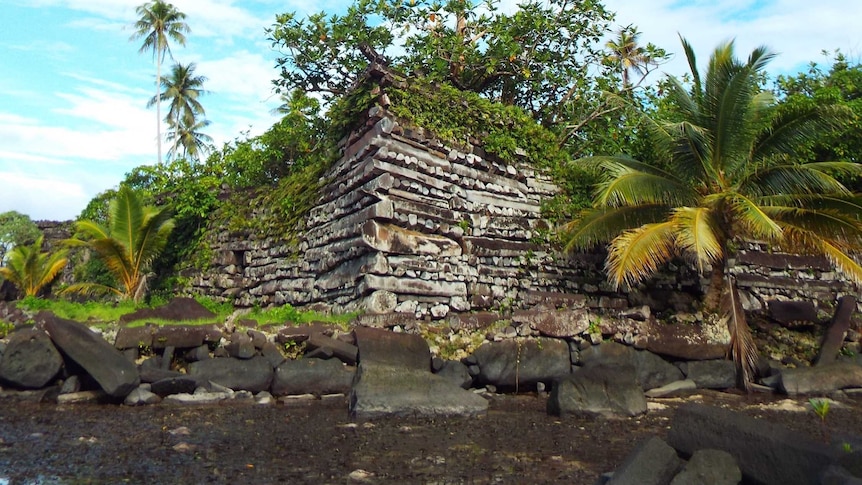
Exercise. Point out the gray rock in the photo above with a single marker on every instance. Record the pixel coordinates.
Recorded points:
(174, 385)
(240, 346)
(253, 374)
(555, 323)
(714, 467)
(312, 376)
(765, 452)
(675, 388)
(792, 312)
(382, 347)
(343, 351)
(382, 390)
(140, 397)
(179, 336)
(521, 363)
(653, 462)
(710, 374)
(833, 338)
(821, 379)
(197, 398)
(70, 385)
(271, 352)
(201, 352)
(838, 475)
(651, 370)
(107, 365)
(607, 391)
(456, 372)
(134, 337)
(30, 361)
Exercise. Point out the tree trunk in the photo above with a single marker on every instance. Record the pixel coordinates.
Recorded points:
(717, 283)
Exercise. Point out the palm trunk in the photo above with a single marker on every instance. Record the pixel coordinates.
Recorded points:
(159, 105)
(717, 283)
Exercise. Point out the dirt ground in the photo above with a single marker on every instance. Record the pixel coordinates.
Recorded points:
(316, 442)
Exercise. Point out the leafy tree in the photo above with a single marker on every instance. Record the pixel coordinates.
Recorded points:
(158, 22)
(182, 88)
(537, 58)
(627, 55)
(30, 269)
(133, 237)
(730, 167)
(15, 229)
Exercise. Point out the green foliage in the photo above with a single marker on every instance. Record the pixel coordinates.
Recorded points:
(89, 312)
(134, 236)
(820, 407)
(15, 229)
(287, 314)
(32, 270)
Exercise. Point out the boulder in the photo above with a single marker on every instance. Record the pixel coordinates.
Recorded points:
(312, 376)
(134, 337)
(598, 390)
(253, 374)
(382, 390)
(141, 396)
(714, 467)
(555, 323)
(179, 336)
(107, 365)
(673, 389)
(710, 374)
(456, 372)
(240, 346)
(791, 313)
(651, 370)
(339, 349)
(652, 462)
(522, 363)
(174, 385)
(821, 379)
(765, 452)
(30, 359)
(685, 341)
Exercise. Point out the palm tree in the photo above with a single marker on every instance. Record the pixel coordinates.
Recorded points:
(134, 236)
(181, 88)
(730, 168)
(157, 23)
(190, 139)
(30, 269)
(628, 55)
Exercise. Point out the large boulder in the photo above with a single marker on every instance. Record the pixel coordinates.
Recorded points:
(765, 452)
(30, 359)
(382, 390)
(710, 374)
(833, 338)
(383, 347)
(599, 390)
(312, 376)
(116, 375)
(555, 323)
(650, 370)
(522, 363)
(652, 462)
(713, 467)
(252, 375)
(685, 341)
(821, 379)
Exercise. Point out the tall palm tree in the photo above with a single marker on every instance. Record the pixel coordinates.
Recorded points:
(134, 236)
(628, 55)
(190, 140)
(157, 23)
(731, 167)
(181, 88)
(30, 269)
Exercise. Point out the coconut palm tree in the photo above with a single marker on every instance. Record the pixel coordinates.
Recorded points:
(157, 23)
(30, 269)
(181, 88)
(190, 140)
(730, 167)
(133, 237)
(628, 55)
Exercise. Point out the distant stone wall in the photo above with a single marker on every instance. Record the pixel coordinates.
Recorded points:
(410, 225)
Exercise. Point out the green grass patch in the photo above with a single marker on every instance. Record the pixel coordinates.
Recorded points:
(287, 314)
(87, 312)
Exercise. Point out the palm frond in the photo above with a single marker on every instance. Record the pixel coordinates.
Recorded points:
(743, 350)
(808, 178)
(636, 254)
(753, 219)
(698, 235)
(90, 289)
(602, 224)
(625, 187)
(843, 262)
(791, 131)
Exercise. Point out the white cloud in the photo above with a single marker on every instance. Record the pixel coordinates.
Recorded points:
(42, 198)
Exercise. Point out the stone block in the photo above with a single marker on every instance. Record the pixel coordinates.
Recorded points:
(653, 462)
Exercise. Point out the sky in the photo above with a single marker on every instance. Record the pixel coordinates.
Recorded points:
(73, 87)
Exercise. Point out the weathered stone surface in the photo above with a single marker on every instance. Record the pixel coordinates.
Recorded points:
(312, 376)
(833, 339)
(174, 385)
(653, 462)
(253, 374)
(456, 372)
(651, 371)
(179, 336)
(522, 363)
(140, 397)
(710, 374)
(134, 337)
(389, 238)
(673, 389)
(821, 379)
(240, 346)
(383, 347)
(765, 452)
(30, 360)
(792, 312)
(713, 467)
(686, 341)
(114, 373)
(599, 390)
(178, 309)
(555, 323)
(383, 390)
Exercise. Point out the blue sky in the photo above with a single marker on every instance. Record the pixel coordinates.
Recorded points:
(73, 88)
